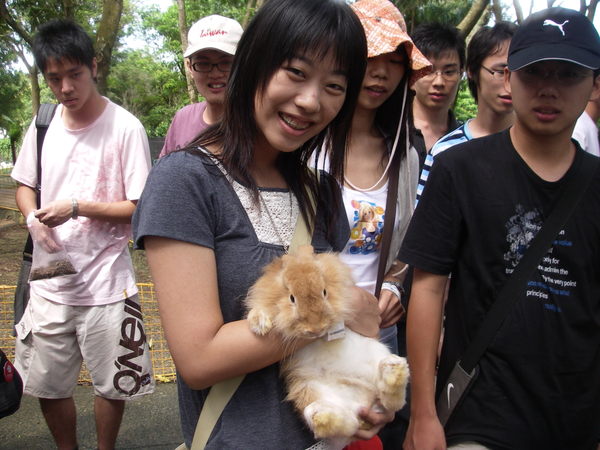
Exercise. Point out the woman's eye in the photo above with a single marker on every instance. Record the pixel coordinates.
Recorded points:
(336, 88)
(295, 72)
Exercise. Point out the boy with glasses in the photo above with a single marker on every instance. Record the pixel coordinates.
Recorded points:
(435, 93)
(486, 60)
(537, 385)
(212, 42)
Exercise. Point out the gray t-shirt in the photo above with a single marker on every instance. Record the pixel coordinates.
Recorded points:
(188, 198)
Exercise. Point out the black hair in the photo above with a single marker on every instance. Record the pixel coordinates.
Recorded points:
(433, 39)
(62, 39)
(388, 115)
(280, 31)
(487, 41)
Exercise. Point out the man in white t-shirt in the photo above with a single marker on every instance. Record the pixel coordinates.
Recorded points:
(94, 164)
(586, 130)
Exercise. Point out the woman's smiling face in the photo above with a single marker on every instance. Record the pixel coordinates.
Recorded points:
(302, 97)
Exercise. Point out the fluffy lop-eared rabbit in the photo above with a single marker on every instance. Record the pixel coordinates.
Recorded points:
(304, 295)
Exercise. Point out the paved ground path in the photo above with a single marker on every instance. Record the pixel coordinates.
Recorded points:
(151, 422)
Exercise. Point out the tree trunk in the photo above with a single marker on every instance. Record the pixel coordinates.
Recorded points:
(69, 9)
(497, 9)
(183, 32)
(481, 22)
(518, 11)
(12, 23)
(13, 150)
(106, 36)
(591, 10)
(250, 4)
(470, 20)
(35, 89)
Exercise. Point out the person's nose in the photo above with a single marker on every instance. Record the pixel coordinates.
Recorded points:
(378, 69)
(309, 98)
(438, 79)
(66, 86)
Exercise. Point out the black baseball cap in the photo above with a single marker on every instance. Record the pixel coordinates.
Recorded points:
(555, 34)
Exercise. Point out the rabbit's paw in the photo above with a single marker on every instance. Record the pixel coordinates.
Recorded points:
(328, 421)
(393, 378)
(260, 323)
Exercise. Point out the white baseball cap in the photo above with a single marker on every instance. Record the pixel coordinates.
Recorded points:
(214, 32)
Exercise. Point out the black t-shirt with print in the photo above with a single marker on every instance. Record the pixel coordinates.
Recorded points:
(539, 381)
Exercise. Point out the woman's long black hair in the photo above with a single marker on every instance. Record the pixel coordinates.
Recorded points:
(280, 31)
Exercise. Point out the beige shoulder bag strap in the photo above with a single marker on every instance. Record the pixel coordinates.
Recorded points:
(220, 393)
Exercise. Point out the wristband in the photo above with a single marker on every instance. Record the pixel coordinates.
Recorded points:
(393, 286)
(74, 208)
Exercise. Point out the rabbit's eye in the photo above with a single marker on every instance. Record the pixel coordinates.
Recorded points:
(324, 292)
(292, 299)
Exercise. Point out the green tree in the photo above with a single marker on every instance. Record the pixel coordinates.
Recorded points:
(465, 107)
(147, 87)
(20, 19)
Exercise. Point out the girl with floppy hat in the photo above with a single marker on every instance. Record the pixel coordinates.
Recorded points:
(379, 154)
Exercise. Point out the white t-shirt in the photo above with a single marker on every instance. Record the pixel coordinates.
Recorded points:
(107, 161)
(366, 214)
(586, 133)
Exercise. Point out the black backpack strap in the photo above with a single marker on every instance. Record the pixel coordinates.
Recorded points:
(42, 122)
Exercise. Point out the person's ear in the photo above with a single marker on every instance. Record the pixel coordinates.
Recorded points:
(595, 96)
(507, 75)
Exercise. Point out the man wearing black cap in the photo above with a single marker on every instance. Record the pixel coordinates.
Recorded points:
(538, 384)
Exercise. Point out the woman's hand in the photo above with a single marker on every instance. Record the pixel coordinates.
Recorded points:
(366, 317)
(392, 309)
(374, 420)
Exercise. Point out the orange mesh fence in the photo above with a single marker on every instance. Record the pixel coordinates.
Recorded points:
(164, 370)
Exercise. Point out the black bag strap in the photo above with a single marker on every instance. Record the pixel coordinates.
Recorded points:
(390, 219)
(42, 122)
(539, 245)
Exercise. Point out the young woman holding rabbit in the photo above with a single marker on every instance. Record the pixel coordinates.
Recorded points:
(213, 216)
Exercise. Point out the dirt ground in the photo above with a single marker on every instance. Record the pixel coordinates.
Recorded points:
(12, 240)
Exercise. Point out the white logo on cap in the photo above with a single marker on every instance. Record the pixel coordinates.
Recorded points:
(552, 23)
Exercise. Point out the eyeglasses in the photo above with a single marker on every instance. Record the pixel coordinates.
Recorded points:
(204, 67)
(568, 76)
(447, 74)
(496, 74)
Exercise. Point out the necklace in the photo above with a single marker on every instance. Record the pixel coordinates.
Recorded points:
(393, 152)
(278, 232)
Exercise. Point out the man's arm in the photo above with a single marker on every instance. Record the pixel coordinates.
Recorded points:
(423, 335)
(59, 211)
(26, 199)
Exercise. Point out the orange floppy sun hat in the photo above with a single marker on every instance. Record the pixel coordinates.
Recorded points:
(385, 30)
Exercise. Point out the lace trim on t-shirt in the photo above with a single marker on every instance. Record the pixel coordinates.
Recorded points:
(274, 218)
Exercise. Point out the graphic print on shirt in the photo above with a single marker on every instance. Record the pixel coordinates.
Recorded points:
(555, 283)
(366, 228)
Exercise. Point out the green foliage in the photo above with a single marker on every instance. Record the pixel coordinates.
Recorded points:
(444, 11)
(465, 107)
(5, 153)
(147, 87)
